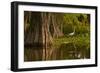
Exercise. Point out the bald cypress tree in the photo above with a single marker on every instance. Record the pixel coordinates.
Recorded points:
(40, 29)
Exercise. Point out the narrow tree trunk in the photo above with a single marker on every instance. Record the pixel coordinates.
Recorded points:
(55, 27)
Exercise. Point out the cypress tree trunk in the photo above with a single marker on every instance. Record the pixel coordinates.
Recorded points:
(57, 32)
(47, 38)
(39, 34)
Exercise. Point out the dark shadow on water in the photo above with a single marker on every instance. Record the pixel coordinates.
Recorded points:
(66, 51)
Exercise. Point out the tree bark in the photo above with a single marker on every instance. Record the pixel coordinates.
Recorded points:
(41, 30)
(56, 31)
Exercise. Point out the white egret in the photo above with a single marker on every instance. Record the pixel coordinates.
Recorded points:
(72, 33)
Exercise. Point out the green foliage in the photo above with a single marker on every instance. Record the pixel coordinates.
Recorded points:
(74, 46)
(77, 43)
(77, 21)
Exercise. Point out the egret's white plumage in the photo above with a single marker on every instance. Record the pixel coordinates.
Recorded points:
(72, 33)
